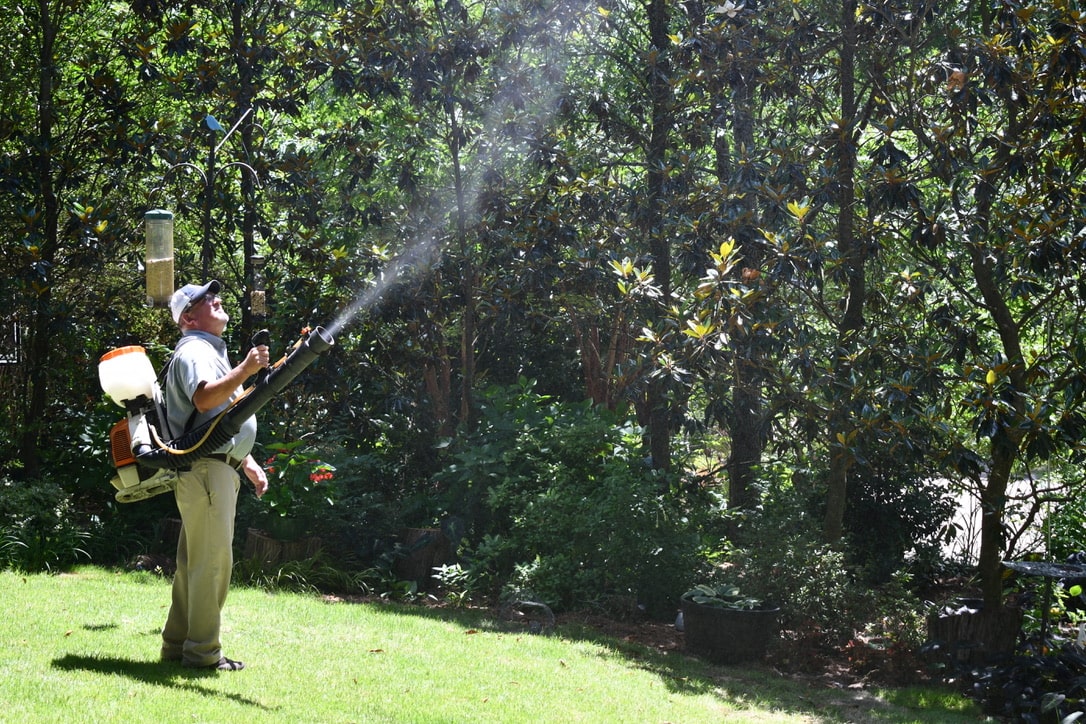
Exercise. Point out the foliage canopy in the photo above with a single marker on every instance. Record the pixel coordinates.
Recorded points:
(842, 239)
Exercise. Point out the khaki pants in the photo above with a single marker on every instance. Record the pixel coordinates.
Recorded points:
(207, 498)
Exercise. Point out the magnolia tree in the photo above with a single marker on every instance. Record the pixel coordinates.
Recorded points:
(982, 147)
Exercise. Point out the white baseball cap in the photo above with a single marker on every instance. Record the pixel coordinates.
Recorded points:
(183, 299)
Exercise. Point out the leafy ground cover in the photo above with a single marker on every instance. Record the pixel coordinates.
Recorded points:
(83, 647)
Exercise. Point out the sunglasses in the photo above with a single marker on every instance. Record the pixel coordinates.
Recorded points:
(209, 298)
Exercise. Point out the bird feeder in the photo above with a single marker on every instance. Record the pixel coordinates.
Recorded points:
(158, 229)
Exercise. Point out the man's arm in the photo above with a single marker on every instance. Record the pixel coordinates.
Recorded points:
(256, 475)
(215, 393)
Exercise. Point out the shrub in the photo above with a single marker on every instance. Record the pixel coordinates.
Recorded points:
(561, 506)
(339, 487)
(1035, 688)
(816, 590)
(302, 489)
(37, 532)
(891, 513)
(1065, 519)
(781, 557)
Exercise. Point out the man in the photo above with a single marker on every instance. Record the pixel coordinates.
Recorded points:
(200, 384)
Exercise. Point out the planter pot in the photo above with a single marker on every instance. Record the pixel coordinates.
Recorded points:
(424, 550)
(300, 549)
(261, 547)
(267, 549)
(971, 635)
(727, 635)
(169, 533)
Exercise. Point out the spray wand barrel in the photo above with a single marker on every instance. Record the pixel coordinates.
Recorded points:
(282, 373)
(202, 441)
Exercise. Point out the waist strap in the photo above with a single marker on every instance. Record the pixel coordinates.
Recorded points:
(224, 458)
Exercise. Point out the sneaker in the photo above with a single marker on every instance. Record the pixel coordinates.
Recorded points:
(223, 664)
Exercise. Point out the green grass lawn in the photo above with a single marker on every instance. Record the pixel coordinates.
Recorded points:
(83, 647)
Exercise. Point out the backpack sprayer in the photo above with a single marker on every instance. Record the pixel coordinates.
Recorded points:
(148, 462)
(148, 457)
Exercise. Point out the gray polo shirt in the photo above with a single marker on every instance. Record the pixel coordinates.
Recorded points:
(201, 357)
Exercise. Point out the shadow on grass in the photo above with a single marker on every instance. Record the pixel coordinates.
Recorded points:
(157, 673)
(683, 674)
(680, 674)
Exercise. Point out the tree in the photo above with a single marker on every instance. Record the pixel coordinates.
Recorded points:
(71, 142)
(237, 76)
(730, 49)
(787, 131)
(995, 129)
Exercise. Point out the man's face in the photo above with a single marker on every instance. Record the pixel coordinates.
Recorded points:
(208, 315)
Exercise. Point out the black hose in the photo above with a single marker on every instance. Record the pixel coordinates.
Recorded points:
(201, 442)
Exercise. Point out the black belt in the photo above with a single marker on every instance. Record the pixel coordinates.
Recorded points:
(224, 458)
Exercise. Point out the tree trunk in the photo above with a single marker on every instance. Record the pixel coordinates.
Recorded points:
(467, 267)
(855, 254)
(657, 400)
(38, 349)
(1009, 435)
(746, 416)
(993, 504)
(588, 342)
(246, 92)
(600, 359)
(437, 376)
(746, 442)
(467, 351)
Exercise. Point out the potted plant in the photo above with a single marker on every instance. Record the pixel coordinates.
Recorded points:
(723, 625)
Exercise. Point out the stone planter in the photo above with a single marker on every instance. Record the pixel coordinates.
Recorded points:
(728, 635)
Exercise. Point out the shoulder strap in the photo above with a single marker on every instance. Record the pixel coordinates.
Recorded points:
(164, 376)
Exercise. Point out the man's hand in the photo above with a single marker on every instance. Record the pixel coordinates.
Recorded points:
(256, 360)
(256, 475)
